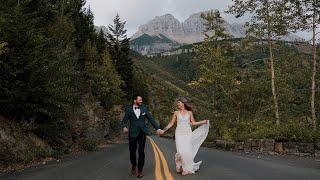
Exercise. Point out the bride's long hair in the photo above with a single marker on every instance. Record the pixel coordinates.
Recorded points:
(187, 106)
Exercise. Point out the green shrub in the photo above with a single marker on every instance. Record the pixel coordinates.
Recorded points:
(6, 156)
(58, 135)
(24, 150)
(89, 145)
(290, 130)
(296, 132)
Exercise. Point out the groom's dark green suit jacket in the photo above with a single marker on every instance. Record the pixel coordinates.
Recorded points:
(137, 124)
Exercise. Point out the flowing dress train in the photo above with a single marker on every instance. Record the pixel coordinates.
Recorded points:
(188, 143)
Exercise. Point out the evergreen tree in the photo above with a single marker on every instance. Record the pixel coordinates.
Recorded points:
(101, 79)
(109, 89)
(119, 49)
(101, 42)
(213, 23)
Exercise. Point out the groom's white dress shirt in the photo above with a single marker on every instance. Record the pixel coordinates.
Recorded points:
(137, 111)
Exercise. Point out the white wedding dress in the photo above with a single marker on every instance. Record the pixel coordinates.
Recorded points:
(188, 143)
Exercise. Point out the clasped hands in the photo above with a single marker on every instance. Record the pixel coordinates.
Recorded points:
(160, 132)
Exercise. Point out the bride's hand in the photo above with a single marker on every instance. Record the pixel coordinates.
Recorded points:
(205, 121)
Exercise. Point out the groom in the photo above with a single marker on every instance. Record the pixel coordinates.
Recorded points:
(136, 115)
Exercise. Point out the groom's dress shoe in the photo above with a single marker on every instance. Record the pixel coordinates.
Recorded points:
(140, 175)
(134, 171)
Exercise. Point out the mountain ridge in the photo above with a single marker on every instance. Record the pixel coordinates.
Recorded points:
(165, 33)
(188, 31)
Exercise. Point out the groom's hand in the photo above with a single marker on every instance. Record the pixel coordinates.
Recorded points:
(125, 130)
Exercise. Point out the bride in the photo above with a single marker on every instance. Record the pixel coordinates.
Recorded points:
(187, 141)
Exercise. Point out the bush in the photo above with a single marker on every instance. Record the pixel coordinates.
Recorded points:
(58, 135)
(24, 149)
(296, 132)
(291, 130)
(89, 145)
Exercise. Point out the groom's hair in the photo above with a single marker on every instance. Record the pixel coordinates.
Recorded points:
(134, 97)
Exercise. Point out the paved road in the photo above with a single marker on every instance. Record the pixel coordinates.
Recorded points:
(113, 163)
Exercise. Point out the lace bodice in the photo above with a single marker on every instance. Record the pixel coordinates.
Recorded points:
(183, 121)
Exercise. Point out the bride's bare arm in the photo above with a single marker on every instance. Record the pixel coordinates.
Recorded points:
(173, 120)
(194, 123)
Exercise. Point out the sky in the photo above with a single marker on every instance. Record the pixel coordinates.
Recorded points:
(139, 12)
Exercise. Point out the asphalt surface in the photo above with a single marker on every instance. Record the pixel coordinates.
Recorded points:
(113, 163)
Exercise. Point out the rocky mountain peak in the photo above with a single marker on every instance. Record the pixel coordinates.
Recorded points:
(186, 32)
(166, 16)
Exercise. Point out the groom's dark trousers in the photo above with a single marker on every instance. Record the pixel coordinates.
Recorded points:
(137, 133)
(141, 142)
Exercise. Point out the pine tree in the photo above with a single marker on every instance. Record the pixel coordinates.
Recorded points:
(119, 49)
(214, 29)
(62, 71)
(101, 42)
(82, 19)
(109, 85)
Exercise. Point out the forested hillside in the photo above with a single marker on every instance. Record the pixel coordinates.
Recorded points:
(238, 100)
(62, 85)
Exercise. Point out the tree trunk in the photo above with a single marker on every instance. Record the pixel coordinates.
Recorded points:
(273, 86)
(314, 72)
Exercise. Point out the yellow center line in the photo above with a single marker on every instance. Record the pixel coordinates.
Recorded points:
(164, 163)
(157, 168)
(163, 160)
